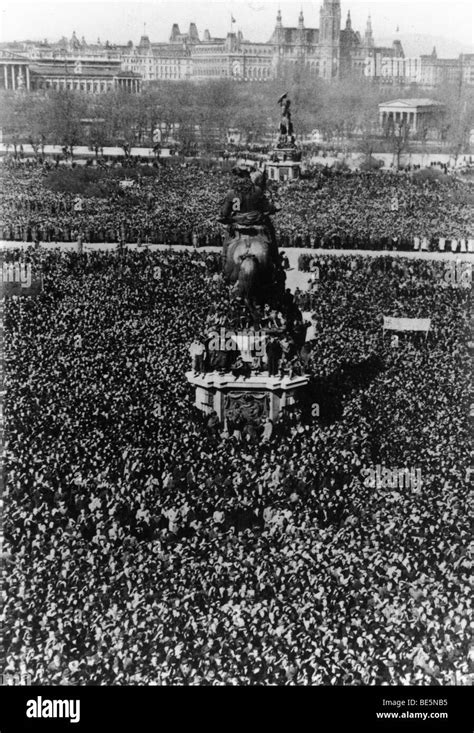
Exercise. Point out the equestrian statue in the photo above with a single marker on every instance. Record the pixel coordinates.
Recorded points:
(250, 258)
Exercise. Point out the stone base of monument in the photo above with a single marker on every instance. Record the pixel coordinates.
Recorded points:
(285, 164)
(258, 395)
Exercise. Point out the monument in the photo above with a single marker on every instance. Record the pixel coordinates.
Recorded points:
(285, 159)
(246, 367)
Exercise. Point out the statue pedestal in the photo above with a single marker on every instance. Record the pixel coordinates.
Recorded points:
(285, 164)
(259, 394)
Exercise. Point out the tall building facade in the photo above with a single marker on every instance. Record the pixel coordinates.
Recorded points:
(167, 61)
(231, 57)
(188, 56)
(330, 52)
(390, 66)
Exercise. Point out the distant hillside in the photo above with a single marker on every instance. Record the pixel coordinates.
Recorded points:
(417, 44)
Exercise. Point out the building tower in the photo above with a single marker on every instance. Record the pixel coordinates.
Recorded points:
(278, 40)
(175, 33)
(193, 33)
(369, 36)
(278, 32)
(329, 38)
(300, 38)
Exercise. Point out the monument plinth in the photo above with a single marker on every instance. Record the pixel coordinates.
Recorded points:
(260, 394)
(284, 165)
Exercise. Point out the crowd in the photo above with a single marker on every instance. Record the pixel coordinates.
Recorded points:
(144, 545)
(177, 204)
(388, 211)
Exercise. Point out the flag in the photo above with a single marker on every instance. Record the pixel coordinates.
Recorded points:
(232, 19)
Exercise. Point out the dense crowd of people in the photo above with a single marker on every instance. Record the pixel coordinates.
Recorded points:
(172, 207)
(177, 204)
(144, 544)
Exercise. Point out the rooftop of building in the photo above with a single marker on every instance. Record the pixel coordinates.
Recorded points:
(12, 57)
(86, 62)
(81, 70)
(412, 102)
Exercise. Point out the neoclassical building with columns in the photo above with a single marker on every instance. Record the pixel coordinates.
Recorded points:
(418, 114)
(14, 72)
(93, 77)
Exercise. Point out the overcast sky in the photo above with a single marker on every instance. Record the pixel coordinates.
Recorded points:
(123, 21)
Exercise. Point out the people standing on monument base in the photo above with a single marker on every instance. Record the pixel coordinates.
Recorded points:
(197, 351)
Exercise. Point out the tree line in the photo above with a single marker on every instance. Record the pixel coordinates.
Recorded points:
(200, 115)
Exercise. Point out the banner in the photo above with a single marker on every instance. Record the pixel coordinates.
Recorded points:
(406, 324)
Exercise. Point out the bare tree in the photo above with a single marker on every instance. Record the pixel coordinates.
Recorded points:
(13, 111)
(459, 130)
(63, 113)
(458, 120)
(36, 121)
(397, 133)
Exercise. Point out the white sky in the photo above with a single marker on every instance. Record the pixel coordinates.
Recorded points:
(123, 21)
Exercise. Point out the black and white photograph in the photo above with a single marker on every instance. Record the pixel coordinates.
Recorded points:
(236, 351)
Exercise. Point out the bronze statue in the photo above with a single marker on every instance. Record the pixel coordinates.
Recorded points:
(286, 126)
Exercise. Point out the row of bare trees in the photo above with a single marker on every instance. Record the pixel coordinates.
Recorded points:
(201, 114)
